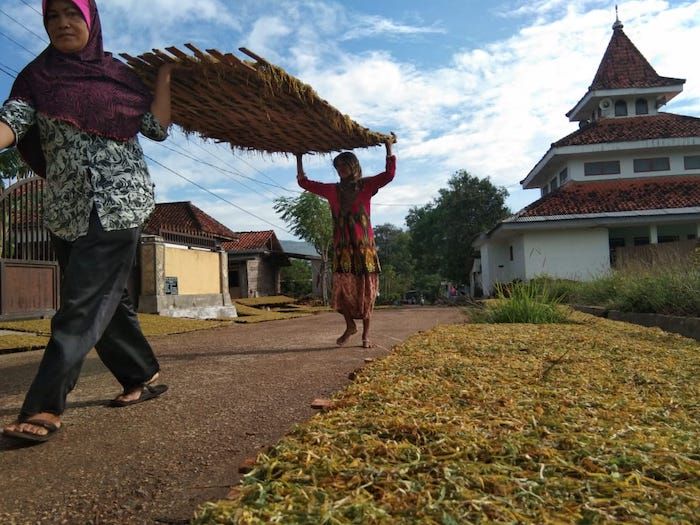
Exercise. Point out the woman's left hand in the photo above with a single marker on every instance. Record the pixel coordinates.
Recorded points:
(161, 100)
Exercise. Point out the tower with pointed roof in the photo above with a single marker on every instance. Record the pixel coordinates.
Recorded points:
(628, 176)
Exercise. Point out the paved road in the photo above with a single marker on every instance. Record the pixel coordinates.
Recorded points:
(233, 391)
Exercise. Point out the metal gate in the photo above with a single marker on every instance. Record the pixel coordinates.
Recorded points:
(29, 274)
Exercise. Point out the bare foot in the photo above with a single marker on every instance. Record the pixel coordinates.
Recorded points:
(346, 335)
(134, 393)
(366, 343)
(37, 430)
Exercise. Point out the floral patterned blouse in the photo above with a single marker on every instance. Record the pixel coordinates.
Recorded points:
(85, 170)
(354, 250)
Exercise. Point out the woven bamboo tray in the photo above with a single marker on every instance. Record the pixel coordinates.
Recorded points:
(252, 105)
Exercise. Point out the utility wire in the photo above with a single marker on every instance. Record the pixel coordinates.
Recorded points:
(215, 195)
(225, 172)
(274, 183)
(9, 68)
(31, 7)
(25, 27)
(8, 74)
(17, 43)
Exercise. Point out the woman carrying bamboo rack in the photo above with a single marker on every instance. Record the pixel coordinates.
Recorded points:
(355, 262)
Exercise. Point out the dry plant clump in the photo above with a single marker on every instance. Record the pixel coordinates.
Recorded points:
(595, 421)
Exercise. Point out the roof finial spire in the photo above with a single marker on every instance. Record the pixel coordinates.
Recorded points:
(617, 24)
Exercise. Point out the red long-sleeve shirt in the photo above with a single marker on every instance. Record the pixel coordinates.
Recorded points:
(354, 250)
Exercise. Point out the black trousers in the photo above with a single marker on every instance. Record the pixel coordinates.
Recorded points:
(95, 311)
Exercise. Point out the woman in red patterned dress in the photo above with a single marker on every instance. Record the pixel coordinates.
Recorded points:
(355, 261)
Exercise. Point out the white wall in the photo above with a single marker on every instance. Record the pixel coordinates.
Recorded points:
(580, 255)
(496, 266)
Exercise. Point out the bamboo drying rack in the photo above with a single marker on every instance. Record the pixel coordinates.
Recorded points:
(251, 105)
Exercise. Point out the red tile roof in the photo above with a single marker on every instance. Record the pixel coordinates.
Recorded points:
(248, 241)
(659, 126)
(620, 195)
(623, 66)
(185, 217)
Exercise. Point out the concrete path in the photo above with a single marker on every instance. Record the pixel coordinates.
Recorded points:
(233, 391)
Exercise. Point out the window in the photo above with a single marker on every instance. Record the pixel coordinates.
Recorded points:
(657, 164)
(545, 190)
(553, 184)
(668, 238)
(641, 107)
(620, 108)
(691, 162)
(511, 253)
(641, 241)
(233, 278)
(691, 236)
(605, 167)
(563, 175)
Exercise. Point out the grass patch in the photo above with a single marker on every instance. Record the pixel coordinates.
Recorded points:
(672, 290)
(530, 302)
(21, 342)
(272, 300)
(590, 422)
(150, 324)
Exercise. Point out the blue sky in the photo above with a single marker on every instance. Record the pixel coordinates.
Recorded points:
(474, 85)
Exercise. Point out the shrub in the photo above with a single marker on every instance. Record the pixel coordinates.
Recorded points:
(521, 302)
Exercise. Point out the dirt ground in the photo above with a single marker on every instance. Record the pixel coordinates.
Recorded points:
(233, 391)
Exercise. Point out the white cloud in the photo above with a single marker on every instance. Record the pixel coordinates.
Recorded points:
(265, 36)
(372, 26)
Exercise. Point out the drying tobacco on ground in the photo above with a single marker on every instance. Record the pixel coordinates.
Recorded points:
(594, 421)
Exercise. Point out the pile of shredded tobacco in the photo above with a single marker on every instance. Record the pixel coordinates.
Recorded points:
(594, 421)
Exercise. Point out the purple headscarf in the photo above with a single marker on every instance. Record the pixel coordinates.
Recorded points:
(89, 89)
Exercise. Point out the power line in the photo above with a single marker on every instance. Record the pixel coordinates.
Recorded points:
(215, 195)
(10, 68)
(25, 27)
(8, 74)
(274, 183)
(17, 43)
(253, 167)
(31, 7)
(225, 172)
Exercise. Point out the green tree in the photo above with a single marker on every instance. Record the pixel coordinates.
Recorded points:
(442, 231)
(309, 217)
(296, 279)
(12, 167)
(394, 247)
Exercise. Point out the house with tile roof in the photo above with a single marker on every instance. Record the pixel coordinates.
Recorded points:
(251, 261)
(255, 261)
(629, 176)
(182, 265)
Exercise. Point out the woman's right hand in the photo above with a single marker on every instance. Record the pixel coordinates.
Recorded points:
(388, 143)
(300, 167)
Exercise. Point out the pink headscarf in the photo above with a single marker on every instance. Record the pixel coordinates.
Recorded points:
(83, 5)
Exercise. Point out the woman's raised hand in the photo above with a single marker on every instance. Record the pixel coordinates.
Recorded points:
(300, 166)
(388, 143)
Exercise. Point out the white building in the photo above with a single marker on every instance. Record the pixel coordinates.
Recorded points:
(630, 175)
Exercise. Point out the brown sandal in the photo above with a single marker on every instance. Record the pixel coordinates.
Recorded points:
(52, 429)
